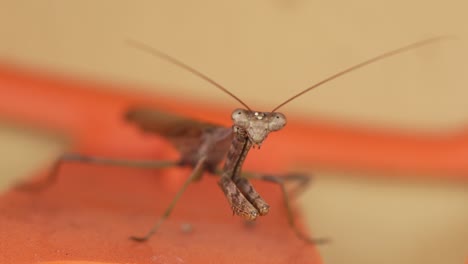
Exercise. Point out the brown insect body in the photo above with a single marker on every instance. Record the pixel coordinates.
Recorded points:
(195, 140)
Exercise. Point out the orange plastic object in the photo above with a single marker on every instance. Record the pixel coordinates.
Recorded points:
(89, 213)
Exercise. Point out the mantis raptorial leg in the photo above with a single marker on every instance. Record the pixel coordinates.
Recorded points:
(300, 181)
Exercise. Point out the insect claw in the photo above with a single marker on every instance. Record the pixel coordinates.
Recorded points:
(235, 210)
(311, 240)
(264, 209)
(138, 239)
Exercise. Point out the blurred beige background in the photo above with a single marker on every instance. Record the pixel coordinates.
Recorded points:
(266, 51)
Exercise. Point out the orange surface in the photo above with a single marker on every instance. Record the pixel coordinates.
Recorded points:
(90, 212)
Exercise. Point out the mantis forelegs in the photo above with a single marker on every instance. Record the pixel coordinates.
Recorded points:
(300, 182)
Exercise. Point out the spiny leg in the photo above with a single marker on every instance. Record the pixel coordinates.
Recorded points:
(251, 194)
(239, 203)
(301, 181)
(196, 173)
(72, 157)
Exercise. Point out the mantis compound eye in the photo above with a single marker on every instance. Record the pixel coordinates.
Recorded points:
(240, 118)
(277, 121)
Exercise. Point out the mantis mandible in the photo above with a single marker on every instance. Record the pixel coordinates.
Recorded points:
(204, 146)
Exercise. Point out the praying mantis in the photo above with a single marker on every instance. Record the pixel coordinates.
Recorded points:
(203, 146)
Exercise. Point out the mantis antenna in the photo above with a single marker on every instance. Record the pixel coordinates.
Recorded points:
(364, 63)
(164, 56)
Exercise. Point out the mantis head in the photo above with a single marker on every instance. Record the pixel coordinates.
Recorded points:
(257, 125)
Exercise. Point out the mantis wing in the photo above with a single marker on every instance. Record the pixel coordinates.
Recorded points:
(191, 138)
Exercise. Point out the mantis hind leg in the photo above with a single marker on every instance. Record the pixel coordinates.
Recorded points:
(300, 183)
(52, 177)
